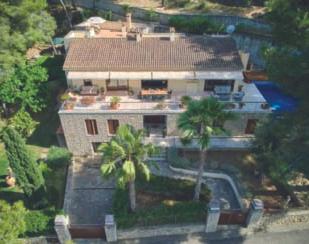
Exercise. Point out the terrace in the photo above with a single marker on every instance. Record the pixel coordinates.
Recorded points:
(163, 101)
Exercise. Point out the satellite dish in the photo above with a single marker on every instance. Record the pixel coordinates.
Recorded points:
(230, 29)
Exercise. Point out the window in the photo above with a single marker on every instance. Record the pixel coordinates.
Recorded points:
(91, 125)
(87, 82)
(251, 125)
(154, 84)
(113, 125)
(210, 84)
(116, 85)
(95, 146)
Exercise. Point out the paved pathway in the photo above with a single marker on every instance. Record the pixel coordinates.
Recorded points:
(90, 195)
(221, 190)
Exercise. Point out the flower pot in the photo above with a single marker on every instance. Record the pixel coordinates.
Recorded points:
(69, 106)
(10, 181)
(114, 105)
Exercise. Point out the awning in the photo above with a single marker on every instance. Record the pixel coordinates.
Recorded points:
(156, 75)
(87, 75)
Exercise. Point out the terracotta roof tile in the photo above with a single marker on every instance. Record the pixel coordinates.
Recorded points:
(153, 54)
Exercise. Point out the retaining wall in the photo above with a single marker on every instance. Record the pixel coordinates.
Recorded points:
(213, 175)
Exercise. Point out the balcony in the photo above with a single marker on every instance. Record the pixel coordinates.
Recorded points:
(216, 142)
(252, 101)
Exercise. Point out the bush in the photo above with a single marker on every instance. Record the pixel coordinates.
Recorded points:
(39, 222)
(23, 123)
(176, 161)
(172, 187)
(58, 157)
(166, 212)
(196, 25)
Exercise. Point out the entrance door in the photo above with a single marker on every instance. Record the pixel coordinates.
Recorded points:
(251, 125)
(192, 88)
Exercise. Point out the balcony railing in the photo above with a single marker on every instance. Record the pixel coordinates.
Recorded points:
(94, 104)
(216, 142)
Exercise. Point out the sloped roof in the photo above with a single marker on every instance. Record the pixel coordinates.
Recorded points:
(197, 53)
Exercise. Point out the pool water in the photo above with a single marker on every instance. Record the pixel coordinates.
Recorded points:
(279, 101)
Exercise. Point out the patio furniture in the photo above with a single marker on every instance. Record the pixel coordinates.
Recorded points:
(154, 94)
(89, 90)
(223, 92)
(238, 96)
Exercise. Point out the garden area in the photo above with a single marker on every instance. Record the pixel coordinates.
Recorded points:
(242, 167)
(160, 200)
(37, 134)
(236, 7)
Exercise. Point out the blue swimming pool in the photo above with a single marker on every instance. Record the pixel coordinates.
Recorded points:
(279, 101)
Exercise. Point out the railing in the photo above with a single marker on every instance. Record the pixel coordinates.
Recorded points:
(216, 142)
(142, 105)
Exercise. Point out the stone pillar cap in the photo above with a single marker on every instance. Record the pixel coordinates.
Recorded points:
(257, 204)
(214, 205)
(109, 219)
(61, 220)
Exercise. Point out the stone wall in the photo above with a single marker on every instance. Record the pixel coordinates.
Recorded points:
(77, 139)
(235, 127)
(80, 143)
(288, 218)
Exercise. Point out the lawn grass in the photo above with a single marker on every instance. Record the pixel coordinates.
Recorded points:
(162, 200)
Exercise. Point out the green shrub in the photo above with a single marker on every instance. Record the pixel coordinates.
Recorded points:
(166, 212)
(23, 123)
(195, 25)
(175, 160)
(58, 157)
(251, 29)
(176, 3)
(39, 222)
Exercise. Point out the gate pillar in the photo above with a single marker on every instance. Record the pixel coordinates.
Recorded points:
(110, 228)
(255, 212)
(213, 214)
(61, 228)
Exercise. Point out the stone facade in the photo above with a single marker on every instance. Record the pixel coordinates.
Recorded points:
(77, 138)
(80, 143)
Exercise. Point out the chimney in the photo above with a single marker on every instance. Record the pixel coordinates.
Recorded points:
(123, 30)
(172, 34)
(91, 32)
(129, 21)
(138, 37)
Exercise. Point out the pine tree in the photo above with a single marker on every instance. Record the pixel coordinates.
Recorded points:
(28, 174)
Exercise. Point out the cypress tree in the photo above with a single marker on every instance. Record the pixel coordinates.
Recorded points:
(28, 175)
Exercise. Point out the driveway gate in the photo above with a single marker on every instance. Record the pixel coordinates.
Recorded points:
(232, 218)
(87, 232)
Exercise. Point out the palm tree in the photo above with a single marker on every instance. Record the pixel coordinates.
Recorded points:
(203, 119)
(125, 156)
(66, 13)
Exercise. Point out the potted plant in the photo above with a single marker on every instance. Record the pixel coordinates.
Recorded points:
(241, 105)
(131, 92)
(265, 106)
(10, 179)
(68, 105)
(87, 100)
(115, 102)
(65, 96)
(229, 105)
(161, 105)
(164, 132)
(185, 101)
